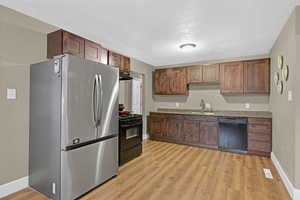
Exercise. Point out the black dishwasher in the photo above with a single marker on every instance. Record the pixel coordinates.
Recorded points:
(233, 134)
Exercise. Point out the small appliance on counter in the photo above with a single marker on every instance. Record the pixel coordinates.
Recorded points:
(130, 136)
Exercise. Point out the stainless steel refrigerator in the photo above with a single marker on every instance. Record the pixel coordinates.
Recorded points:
(73, 145)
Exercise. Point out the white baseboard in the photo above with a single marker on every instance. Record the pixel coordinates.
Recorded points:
(289, 186)
(14, 186)
(294, 193)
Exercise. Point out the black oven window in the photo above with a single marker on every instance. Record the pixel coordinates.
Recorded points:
(131, 133)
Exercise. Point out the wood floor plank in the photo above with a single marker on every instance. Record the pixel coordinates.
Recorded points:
(168, 171)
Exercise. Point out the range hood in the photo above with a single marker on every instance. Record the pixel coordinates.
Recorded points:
(125, 76)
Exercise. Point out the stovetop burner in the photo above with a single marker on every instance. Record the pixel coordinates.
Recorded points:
(123, 116)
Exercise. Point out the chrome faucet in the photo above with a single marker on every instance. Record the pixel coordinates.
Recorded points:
(202, 105)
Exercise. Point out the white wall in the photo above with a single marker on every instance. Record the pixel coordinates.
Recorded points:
(18, 48)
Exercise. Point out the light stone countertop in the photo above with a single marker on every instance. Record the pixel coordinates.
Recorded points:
(254, 114)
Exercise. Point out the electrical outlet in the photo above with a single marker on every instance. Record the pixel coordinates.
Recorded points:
(247, 105)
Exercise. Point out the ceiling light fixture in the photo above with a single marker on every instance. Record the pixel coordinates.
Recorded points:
(187, 46)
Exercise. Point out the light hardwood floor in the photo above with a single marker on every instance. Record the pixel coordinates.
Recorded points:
(176, 172)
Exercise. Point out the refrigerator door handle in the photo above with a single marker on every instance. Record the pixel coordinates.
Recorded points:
(95, 99)
(100, 103)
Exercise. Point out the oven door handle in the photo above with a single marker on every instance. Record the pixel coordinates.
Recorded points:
(131, 125)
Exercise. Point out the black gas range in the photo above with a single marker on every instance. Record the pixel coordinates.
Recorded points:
(130, 137)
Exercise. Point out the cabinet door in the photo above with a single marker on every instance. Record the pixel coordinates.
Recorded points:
(73, 44)
(177, 78)
(125, 66)
(211, 73)
(104, 56)
(232, 78)
(54, 43)
(260, 136)
(92, 51)
(191, 131)
(257, 76)
(209, 134)
(161, 82)
(174, 127)
(194, 74)
(114, 59)
(156, 126)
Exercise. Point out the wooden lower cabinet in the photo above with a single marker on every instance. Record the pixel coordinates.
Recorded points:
(209, 134)
(191, 132)
(173, 129)
(203, 131)
(260, 136)
(157, 126)
(184, 130)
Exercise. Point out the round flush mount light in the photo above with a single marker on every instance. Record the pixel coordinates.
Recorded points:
(187, 46)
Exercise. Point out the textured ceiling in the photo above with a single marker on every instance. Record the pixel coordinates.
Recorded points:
(151, 31)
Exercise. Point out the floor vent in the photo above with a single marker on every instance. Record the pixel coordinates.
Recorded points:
(268, 173)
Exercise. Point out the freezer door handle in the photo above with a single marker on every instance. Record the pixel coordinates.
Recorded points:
(100, 102)
(96, 99)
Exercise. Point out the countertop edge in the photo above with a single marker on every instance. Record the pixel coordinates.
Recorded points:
(220, 114)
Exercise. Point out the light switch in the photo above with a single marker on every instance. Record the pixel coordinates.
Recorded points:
(290, 95)
(177, 105)
(11, 93)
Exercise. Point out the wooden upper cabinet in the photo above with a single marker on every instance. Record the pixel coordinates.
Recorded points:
(92, 51)
(178, 82)
(161, 82)
(104, 56)
(232, 78)
(210, 73)
(203, 74)
(62, 42)
(125, 65)
(257, 76)
(172, 81)
(194, 74)
(117, 60)
(73, 44)
(114, 59)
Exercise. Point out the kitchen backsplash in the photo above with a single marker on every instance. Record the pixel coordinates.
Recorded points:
(211, 94)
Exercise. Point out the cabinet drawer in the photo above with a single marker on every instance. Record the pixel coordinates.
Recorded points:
(259, 128)
(200, 118)
(254, 145)
(259, 137)
(157, 115)
(263, 121)
(171, 116)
